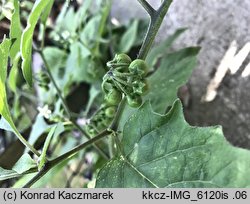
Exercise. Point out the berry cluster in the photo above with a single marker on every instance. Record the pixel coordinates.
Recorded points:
(125, 78)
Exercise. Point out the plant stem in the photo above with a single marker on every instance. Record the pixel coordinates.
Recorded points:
(50, 164)
(155, 22)
(101, 152)
(115, 123)
(156, 18)
(59, 93)
(147, 7)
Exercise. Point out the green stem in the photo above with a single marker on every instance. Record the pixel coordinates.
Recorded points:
(147, 7)
(114, 125)
(50, 164)
(101, 152)
(156, 19)
(59, 93)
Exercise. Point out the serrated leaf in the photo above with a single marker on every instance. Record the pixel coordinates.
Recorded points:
(15, 30)
(164, 151)
(162, 49)
(129, 37)
(54, 131)
(174, 71)
(27, 37)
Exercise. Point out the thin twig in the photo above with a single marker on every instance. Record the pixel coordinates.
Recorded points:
(154, 25)
(59, 93)
(150, 10)
(101, 152)
(115, 123)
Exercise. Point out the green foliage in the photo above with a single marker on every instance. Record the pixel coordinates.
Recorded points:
(164, 151)
(15, 31)
(129, 37)
(54, 131)
(83, 92)
(173, 72)
(27, 36)
(162, 49)
(23, 165)
(4, 108)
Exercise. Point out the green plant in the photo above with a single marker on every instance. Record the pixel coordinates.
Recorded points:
(136, 132)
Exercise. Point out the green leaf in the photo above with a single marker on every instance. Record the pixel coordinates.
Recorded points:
(86, 69)
(38, 128)
(164, 151)
(46, 12)
(174, 71)
(56, 130)
(90, 31)
(15, 31)
(13, 76)
(162, 48)
(27, 37)
(4, 108)
(7, 174)
(23, 166)
(129, 37)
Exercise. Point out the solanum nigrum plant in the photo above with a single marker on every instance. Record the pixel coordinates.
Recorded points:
(129, 129)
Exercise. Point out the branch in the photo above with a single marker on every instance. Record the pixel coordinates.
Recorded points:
(155, 23)
(150, 10)
(50, 164)
(59, 93)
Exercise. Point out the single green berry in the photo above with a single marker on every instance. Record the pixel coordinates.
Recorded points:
(122, 58)
(110, 111)
(120, 61)
(140, 87)
(134, 100)
(113, 97)
(138, 67)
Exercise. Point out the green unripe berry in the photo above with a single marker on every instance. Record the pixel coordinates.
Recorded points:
(140, 87)
(113, 97)
(134, 101)
(122, 58)
(138, 67)
(110, 111)
(120, 61)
